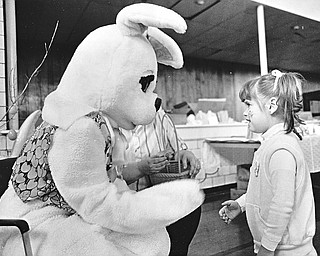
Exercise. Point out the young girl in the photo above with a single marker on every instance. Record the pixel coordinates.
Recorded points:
(279, 202)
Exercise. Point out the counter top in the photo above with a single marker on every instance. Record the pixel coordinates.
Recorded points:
(232, 142)
(310, 145)
(211, 125)
(200, 132)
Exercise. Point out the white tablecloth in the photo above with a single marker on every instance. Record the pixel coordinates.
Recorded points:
(311, 148)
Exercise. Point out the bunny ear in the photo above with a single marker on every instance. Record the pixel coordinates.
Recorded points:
(134, 19)
(166, 49)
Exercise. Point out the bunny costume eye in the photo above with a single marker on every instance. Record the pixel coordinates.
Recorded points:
(145, 82)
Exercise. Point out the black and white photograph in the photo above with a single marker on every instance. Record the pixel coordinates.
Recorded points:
(159, 128)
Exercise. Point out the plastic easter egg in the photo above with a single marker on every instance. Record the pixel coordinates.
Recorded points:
(12, 134)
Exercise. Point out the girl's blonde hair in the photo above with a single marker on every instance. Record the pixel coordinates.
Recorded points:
(285, 87)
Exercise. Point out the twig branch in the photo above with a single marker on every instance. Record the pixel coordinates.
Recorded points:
(34, 73)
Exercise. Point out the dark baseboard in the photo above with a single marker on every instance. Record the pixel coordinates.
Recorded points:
(218, 192)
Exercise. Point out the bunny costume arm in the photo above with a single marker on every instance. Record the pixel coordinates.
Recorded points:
(81, 178)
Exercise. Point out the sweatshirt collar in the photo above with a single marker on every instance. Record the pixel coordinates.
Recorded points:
(273, 130)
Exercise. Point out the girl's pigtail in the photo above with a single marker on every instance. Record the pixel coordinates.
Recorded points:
(288, 88)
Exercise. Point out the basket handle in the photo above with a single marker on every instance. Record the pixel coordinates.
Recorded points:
(176, 136)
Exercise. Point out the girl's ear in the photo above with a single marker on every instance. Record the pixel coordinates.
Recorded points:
(272, 105)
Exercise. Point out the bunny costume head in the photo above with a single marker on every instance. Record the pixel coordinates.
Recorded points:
(114, 69)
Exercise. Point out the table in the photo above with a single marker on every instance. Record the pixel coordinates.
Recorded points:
(239, 150)
(229, 158)
(310, 146)
(227, 151)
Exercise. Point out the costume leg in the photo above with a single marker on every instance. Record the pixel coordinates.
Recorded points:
(182, 232)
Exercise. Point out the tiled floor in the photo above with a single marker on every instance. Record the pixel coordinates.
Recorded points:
(215, 238)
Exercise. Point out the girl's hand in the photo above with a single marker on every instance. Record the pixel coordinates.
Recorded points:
(229, 211)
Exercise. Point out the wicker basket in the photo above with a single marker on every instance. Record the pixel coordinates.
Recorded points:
(171, 173)
(173, 170)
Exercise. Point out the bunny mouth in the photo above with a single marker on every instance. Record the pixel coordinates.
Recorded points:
(145, 82)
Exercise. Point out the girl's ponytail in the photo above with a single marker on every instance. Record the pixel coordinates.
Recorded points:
(288, 90)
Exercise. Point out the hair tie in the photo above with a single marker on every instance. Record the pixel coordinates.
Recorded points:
(277, 74)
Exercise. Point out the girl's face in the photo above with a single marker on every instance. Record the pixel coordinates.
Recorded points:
(258, 119)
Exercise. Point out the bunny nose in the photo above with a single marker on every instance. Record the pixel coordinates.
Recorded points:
(157, 103)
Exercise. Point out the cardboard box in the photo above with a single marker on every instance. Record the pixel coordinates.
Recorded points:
(243, 174)
(236, 193)
(242, 185)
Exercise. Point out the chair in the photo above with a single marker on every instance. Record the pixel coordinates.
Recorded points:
(26, 130)
(6, 164)
(5, 173)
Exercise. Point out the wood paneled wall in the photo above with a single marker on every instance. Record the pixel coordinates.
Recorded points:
(45, 81)
(197, 79)
(204, 79)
